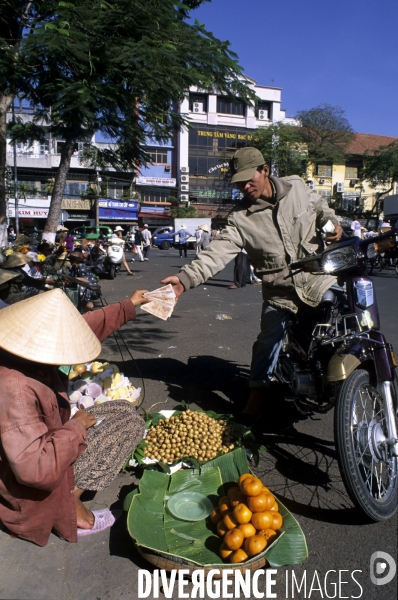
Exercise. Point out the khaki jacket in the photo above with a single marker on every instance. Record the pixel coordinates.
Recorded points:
(273, 237)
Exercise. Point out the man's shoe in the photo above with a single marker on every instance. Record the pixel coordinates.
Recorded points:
(146, 258)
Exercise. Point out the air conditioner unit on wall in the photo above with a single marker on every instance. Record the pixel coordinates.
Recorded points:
(184, 198)
(184, 178)
(311, 184)
(263, 115)
(340, 187)
(185, 187)
(184, 169)
(198, 107)
(167, 168)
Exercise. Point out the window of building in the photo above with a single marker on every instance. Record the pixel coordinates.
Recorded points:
(158, 156)
(324, 170)
(152, 195)
(352, 169)
(230, 106)
(21, 105)
(74, 189)
(198, 103)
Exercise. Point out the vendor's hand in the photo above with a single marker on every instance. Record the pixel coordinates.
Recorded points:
(85, 418)
(336, 235)
(176, 283)
(138, 297)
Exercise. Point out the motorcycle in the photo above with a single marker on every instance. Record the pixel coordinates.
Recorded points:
(113, 259)
(336, 357)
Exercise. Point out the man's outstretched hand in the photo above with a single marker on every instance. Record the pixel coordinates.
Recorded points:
(336, 235)
(176, 283)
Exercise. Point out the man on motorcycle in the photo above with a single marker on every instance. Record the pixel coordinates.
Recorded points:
(277, 223)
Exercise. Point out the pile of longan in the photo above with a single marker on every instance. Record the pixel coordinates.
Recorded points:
(247, 519)
(192, 433)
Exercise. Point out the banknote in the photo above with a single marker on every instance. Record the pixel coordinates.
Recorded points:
(164, 293)
(159, 308)
(162, 302)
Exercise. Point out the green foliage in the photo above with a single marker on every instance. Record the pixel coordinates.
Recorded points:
(327, 133)
(381, 168)
(181, 212)
(283, 149)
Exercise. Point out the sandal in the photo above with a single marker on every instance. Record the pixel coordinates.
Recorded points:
(103, 519)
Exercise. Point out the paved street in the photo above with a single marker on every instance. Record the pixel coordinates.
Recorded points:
(205, 361)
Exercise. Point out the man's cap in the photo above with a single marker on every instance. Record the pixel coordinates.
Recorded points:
(48, 329)
(183, 227)
(145, 225)
(244, 164)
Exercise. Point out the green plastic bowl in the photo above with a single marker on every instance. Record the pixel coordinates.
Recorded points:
(190, 506)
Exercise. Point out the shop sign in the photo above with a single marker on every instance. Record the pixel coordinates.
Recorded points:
(159, 181)
(226, 135)
(211, 194)
(112, 209)
(76, 204)
(29, 213)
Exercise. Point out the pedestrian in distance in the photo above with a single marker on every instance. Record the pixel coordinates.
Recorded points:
(146, 241)
(276, 222)
(183, 235)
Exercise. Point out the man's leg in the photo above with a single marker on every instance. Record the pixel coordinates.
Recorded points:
(185, 249)
(265, 354)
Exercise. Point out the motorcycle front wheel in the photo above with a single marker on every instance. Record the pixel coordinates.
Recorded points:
(368, 470)
(112, 272)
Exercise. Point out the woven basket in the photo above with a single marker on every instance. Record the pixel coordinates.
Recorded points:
(168, 563)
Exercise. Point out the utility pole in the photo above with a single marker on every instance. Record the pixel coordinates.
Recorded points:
(15, 175)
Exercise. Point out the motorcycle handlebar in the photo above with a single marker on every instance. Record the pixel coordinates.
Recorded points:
(85, 284)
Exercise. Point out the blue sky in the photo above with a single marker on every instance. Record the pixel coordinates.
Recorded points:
(340, 52)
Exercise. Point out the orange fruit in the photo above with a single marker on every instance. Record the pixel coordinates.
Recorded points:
(261, 502)
(221, 529)
(225, 552)
(215, 515)
(224, 505)
(241, 513)
(254, 545)
(247, 529)
(251, 486)
(269, 535)
(277, 521)
(262, 520)
(275, 507)
(238, 556)
(233, 539)
(233, 492)
(239, 499)
(229, 521)
(243, 477)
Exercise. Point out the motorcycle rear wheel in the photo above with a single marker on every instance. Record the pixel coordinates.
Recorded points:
(368, 470)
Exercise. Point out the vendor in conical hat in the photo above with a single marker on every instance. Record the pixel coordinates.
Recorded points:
(6, 277)
(47, 459)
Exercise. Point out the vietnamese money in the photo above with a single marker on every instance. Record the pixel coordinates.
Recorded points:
(162, 302)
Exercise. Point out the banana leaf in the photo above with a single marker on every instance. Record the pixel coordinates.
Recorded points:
(195, 543)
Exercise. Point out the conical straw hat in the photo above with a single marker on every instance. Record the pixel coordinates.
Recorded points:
(8, 275)
(16, 259)
(48, 329)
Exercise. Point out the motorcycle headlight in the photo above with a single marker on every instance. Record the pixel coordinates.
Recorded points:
(340, 259)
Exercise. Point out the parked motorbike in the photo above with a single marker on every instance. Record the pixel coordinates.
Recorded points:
(113, 259)
(336, 357)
